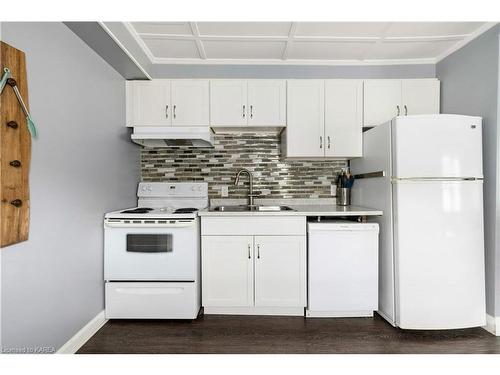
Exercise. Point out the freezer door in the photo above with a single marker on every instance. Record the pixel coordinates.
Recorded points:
(439, 254)
(437, 146)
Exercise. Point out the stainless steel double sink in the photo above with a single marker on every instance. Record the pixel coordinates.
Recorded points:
(244, 208)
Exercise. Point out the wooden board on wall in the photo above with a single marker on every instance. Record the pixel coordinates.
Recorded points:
(15, 144)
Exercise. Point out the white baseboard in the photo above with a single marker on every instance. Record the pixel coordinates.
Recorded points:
(82, 336)
(492, 325)
(339, 314)
(283, 311)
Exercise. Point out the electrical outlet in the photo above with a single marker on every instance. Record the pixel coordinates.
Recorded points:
(224, 191)
(333, 190)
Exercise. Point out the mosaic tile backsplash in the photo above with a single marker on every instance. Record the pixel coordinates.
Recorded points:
(274, 177)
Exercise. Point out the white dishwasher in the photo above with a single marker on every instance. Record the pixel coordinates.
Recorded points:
(342, 269)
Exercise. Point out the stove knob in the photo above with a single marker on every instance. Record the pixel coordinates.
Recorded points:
(193, 188)
(144, 188)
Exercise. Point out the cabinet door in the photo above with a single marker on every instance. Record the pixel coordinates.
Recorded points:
(228, 103)
(190, 103)
(343, 118)
(227, 270)
(267, 102)
(305, 118)
(280, 271)
(420, 96)
(382, 98)
(150, 103)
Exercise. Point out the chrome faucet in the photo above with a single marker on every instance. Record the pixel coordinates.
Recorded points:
(251, 195)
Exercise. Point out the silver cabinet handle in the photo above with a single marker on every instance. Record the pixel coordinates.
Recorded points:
(251, 111)
(328, 138)
(258, 251)
(406, 110)
(174, 111)
(244, 110)
(398, 110)
(249, 257)
(166, 111)
(320, 141)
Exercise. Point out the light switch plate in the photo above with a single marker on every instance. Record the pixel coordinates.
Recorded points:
(333, 190)
(224, 191)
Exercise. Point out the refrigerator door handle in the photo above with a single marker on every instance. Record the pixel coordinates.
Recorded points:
(369, 175)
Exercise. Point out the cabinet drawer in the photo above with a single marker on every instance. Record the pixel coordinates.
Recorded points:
(254, 225)
(152, 300)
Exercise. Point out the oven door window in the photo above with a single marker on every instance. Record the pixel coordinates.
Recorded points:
(149, 243)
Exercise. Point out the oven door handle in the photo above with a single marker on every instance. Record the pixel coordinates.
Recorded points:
(152, 225)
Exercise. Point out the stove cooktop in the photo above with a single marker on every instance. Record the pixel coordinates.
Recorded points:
(138, 210)
(148, 212)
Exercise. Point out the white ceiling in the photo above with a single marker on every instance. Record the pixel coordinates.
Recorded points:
(302, 42)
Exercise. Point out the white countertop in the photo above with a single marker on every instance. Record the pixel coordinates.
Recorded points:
(301, 210)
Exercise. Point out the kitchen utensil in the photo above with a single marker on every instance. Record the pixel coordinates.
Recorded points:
(31, 125)
(6, 75)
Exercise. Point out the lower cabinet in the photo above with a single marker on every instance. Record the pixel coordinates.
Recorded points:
(266, 272)
(227, 271)
(280, 267)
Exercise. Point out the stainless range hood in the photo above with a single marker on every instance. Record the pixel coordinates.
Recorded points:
(170, 136)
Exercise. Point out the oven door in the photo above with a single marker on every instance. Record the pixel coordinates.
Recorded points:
(151, 252)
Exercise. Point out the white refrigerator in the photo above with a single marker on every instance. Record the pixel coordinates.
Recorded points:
(425, 173)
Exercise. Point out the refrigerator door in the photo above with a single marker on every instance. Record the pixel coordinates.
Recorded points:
(376, 192)
(439, 254)
(434, 146)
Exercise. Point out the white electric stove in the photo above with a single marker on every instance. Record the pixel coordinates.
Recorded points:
(152, 253)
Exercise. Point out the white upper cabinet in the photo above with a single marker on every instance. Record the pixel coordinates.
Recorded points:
(343, 118)
(388, 98)
(168, 103)
(280, 271)
(304, 136)
(148, 103)
(382, 101)
(228, 103)
(267, 103)
(420, 96)
(190, 103)
(257, 102)
(324, 118)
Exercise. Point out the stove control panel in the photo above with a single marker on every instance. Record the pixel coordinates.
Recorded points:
(173, 189)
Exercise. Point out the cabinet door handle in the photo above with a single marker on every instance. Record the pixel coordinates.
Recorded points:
(258, 251)
(320, 141)
(166, 111)
(399, 112)
(174, 111)
(244, 107)
(251, 111)
(249, 257)
(406, 110)
(15, 163)
(329, 143)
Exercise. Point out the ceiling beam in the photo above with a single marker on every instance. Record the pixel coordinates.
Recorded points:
(199, 44)
(469, 38)
(291, 35)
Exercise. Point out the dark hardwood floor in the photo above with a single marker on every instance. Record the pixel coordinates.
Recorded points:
(217, 334)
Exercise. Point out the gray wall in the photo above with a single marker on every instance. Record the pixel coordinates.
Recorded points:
(291, 71)
(469, 86)
(83, 165)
